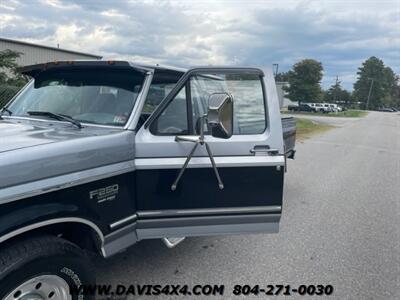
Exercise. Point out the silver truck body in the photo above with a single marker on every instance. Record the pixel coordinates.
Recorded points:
(53, 173)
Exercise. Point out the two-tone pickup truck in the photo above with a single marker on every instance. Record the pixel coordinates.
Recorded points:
(98, 155)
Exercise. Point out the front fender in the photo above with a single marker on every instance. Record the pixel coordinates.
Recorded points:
(25, 216)
(35, 217)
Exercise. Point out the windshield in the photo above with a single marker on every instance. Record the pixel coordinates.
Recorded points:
(98, 96)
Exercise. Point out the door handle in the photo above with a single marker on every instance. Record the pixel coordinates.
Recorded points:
(264, 149)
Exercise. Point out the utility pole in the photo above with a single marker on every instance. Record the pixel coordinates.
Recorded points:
(276, 67)
(369, 93)
(336, 88)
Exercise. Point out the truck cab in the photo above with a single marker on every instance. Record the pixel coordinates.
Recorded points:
(101, 154)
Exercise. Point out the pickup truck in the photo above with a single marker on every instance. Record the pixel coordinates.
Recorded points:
(98, 155)
(320, 107)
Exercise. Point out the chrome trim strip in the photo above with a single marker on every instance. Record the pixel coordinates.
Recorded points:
(122, 221)
(212, 211)
(204, 162)
(47, 185)
(207, 220)
(55, 221)
(207, 226)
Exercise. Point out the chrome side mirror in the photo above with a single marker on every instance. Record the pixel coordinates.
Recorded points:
(220, 120)
(220, 115)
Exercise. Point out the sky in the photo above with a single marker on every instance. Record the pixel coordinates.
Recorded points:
(340, 34)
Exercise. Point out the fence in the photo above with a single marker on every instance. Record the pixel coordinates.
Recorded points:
(6, 93)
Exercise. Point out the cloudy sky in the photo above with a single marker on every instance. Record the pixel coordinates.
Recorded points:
(340, 34)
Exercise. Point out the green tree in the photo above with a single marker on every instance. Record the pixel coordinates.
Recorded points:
(336, 94)
(395, 93)
(282, 77)
(345, 98)
(8, 69)
(333, 93)
(10, 79)
(376, 81)
(392, 98)
(8, 65)
(304, 81)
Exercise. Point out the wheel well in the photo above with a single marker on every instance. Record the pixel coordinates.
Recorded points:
(80, 234)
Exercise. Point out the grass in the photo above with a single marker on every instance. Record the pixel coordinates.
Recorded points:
(346, 114)
(306, 128)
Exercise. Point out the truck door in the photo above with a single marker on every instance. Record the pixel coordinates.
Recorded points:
(250, 163)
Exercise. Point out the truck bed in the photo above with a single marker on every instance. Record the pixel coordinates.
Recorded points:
(289, 136)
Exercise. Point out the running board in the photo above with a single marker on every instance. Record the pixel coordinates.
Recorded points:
(172, 242)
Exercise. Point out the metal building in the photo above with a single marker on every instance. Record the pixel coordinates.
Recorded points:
(283, 100)
(35, 54)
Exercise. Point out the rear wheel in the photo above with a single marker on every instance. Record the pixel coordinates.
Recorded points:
(42, 268)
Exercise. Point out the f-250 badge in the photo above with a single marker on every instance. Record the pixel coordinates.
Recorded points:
(107, 193)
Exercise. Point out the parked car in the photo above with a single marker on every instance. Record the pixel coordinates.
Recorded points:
(305, 107)
(98, 155)
(301, 107)
(319, 107)
(387, 109)
(335, 107)
(293, 107)
(328, 107)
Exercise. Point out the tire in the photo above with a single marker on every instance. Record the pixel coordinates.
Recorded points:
(44, 265)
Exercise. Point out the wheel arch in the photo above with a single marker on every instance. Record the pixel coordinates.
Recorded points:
(89, 236)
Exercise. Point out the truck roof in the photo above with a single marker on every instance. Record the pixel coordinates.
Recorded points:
(33, 70)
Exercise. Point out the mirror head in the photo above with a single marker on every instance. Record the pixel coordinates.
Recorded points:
(220, 115)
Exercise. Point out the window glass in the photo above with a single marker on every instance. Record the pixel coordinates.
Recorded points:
(163, 82)
(156, 93)
(248, 99)
(101, 96)
(173, 120)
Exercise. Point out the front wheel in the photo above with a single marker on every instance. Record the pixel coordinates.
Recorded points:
(44, 267)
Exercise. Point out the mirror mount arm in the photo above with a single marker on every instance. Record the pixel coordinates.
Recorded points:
(198, 141)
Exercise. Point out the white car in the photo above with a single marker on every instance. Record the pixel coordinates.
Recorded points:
(335, 107)
(320, 107)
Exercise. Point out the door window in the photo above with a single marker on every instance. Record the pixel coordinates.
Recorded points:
(183, 114)
(174, 119)
(248, 99)
(156, 93)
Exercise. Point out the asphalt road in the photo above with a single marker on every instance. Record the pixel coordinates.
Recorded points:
(340, 226)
